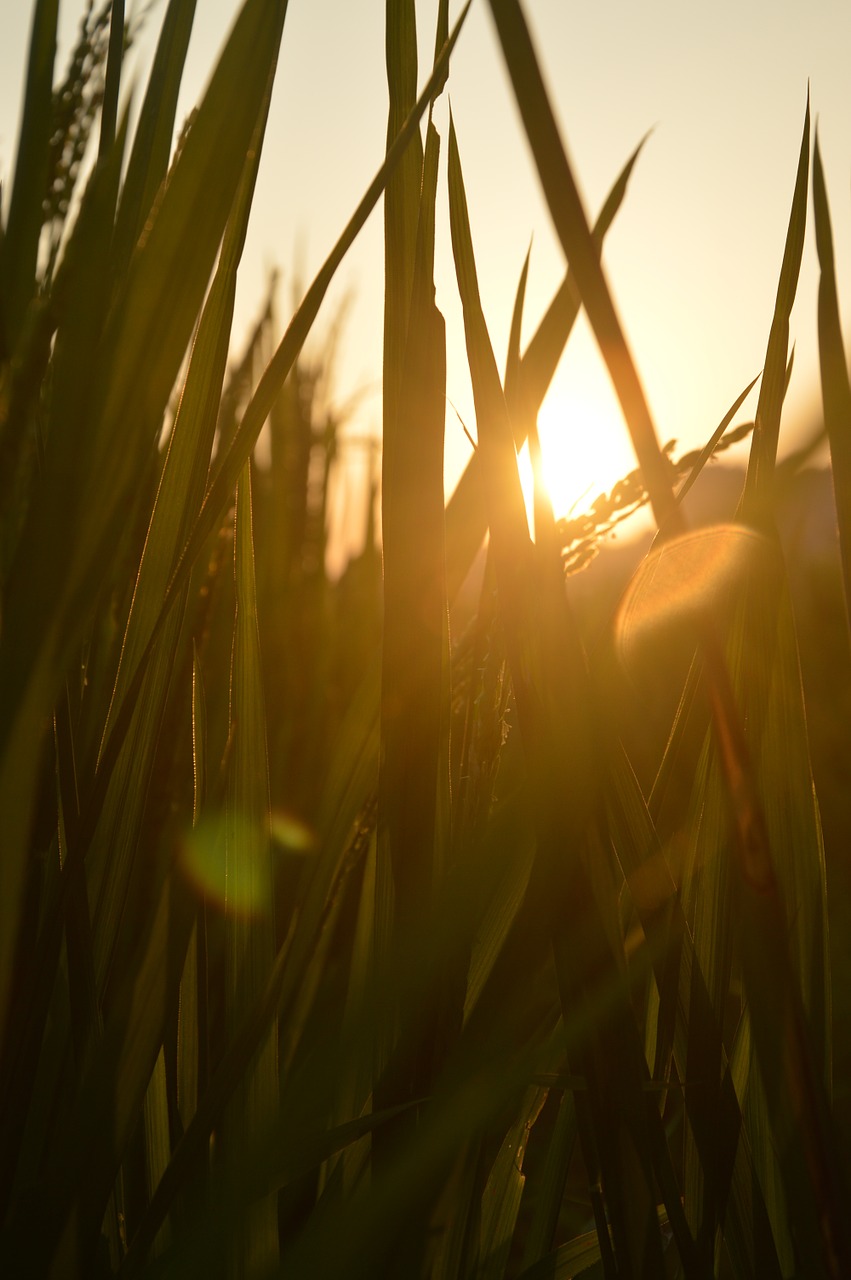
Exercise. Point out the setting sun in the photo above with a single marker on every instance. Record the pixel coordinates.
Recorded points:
(584, 446)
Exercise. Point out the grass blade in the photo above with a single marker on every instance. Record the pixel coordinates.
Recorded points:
(23, 228)
(249, 934)
(836, 390)
(109, 108)
(401, 202)
(149, 157)
(763, 452)
(415, 617)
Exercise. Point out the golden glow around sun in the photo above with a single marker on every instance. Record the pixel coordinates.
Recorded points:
(585, 450)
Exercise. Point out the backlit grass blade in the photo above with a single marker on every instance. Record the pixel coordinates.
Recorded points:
(415, 615)
(401, 202)
(250, 930)
(714, 440)
(503, 1191)
(512, 359)
(199, 738)
(549, 1194)
(149, 157)
(763, 452)
(86, 1023)
(835, 387)
(412, 435)
(115, 57)
(415, 635)
(23, 227)
(190, 1028)
(157, 1136)
(508, 829)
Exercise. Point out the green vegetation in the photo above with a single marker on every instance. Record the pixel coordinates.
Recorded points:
(344, 931)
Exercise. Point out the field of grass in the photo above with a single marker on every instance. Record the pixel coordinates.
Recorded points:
(404, 924)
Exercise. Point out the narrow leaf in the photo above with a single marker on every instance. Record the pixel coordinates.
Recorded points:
(836, 390)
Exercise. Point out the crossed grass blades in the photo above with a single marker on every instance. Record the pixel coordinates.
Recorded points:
(338, 934)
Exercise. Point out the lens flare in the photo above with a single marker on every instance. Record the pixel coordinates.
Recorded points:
(290, 834)
(228, 861)
(684, 580)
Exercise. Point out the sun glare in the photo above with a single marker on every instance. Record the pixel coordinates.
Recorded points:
(585, 450)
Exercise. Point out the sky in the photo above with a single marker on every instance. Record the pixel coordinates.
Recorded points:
(693, 258)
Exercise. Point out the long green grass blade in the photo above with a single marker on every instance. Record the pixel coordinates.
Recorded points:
(504, 1191)
(23, 228)
(401, 202)
(551, 1188)
(250, 932)
(763, 453)
(149, 156)
(415, 612)
(115, 57)
(157, 1136)
(835, 386)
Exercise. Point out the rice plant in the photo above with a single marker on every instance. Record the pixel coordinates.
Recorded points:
(352, 925)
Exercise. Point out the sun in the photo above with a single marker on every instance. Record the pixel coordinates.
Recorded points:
(585, 448)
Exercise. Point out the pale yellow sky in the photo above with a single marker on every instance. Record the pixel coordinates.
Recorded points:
(693, 258)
